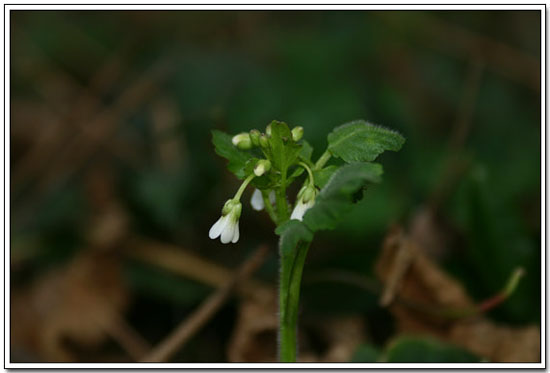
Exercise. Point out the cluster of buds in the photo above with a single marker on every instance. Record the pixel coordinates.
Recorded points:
(227, 226)
(248, 140)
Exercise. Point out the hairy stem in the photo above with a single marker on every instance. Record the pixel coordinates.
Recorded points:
(292, 267)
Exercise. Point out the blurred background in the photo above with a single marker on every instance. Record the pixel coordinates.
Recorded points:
(115, 184)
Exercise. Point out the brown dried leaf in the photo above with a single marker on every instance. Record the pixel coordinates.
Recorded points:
(255, 336)
(423, 289)
(77, 304)
(344, 334)
(503, 344)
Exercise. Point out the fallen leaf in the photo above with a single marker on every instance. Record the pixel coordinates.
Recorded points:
(74, 305)
(426, 293)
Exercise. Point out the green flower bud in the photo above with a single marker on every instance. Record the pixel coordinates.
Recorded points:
(242, 141)
(262, 167)
(309, 194)
(297, 133)
(264, 142)
(268, 129)
(255, 137)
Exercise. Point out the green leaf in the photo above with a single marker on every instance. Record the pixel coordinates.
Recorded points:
(323, 176)
(291, 233)
(225, 148)
(365, 353)
(410, 349)
(339, 194)
(359, 141)
(282, 151)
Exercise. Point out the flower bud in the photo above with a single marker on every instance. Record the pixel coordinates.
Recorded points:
(255, 137)
(309, 194)
(262, 167)
(242, 141)
(268, 129)
(297, 133)
(264, 142)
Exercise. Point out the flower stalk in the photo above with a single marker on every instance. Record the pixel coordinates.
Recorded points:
(289, 297)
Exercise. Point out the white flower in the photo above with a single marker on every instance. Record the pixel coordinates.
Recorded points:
(227, 226)
(257, 201)
(305, 201)
(301, 208)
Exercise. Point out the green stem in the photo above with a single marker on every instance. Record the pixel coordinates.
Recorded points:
(322, 160)
(292, 268)
(310, 173)
(243, 186)
(281, 202)
(268, 206)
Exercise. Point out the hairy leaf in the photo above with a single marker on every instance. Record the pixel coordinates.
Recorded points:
(323, 176)
(225, 148)
(291, 233)
(339, 194)
(359, 141)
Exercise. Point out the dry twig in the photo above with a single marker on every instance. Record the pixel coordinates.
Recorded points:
(182, 262)
(206, 310)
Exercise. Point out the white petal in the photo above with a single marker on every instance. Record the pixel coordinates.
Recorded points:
(218, 227)
(272, 198)
(257, 201)
(228, 232)
(236, 233)
(299, 211)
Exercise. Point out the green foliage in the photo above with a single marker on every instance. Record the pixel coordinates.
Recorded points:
(341, 185)
(282, 151)
(338, 195)
(360, 141)
(408, 349)
(323, 176)
(292, 232)
(225, 148)
(305, 156)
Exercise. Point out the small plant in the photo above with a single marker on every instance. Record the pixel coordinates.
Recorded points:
(271, 162)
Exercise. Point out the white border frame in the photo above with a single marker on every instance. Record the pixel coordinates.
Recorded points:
(248, 5)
